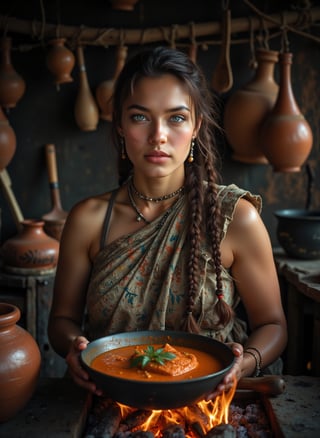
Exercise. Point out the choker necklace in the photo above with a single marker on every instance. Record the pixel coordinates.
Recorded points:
(140, 216)
(161, 198)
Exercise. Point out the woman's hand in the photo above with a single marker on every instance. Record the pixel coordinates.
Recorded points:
(232, 377)
(77, 372)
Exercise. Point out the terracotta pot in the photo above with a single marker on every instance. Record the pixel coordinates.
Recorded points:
(12, 85)
(19, 365)
(31, 248)
(247, 108)
(104, 91)
(123, 5)
(86, 110)
(60, 61)
(8, 141)
(286, 136)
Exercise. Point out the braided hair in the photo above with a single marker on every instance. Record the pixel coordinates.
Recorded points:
(204, 210)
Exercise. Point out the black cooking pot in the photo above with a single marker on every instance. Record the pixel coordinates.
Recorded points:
(157, 395)
(298, 232)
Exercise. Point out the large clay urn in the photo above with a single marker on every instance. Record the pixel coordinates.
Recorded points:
(86, 110)
(12, 85)
(247, 108)
(104, 90)
(60, 61)
(8, 141)
(31, 249)
(19, 365)
(286, 136)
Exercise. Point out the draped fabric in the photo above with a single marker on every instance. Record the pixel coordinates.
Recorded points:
(139, 281)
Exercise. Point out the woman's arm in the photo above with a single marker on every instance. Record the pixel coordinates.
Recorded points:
(256, 279)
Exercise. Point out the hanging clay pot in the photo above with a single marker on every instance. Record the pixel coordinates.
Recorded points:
(60, 61)
(286, 136)
(104, 91)
(86, 110)
(19, 365)
(31, 249)
(12, 85)
(247, 108)
(7, 141)
(123, 5)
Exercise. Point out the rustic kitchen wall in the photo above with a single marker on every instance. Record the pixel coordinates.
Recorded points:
(86, 160)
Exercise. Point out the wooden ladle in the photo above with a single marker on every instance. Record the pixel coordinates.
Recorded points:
(55, 219)
(222, 78)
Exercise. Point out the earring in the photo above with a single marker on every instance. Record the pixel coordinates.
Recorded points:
(123, 148)
(191, 158)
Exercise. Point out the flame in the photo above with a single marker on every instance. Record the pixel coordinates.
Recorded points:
(204, 414)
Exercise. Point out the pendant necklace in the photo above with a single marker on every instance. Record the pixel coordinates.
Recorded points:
(140, 216)
(151, 199)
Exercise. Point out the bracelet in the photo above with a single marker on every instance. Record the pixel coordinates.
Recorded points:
(257, 358)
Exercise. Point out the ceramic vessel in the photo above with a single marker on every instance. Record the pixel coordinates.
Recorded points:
(298, 232)
(247, 108)
(8, 141)
(31, 248)
(104, 90)
(86, 110)
(286, 136)
(60, 61)
(12, 85)
(19, 365)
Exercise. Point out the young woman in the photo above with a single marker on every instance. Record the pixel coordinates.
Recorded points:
(170, 248)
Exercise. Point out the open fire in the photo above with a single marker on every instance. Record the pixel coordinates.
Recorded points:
(218, 418)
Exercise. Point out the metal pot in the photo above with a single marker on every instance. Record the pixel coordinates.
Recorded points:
(298, 232)
(157, 395)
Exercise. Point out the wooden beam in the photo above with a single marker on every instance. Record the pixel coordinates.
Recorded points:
(110, 36)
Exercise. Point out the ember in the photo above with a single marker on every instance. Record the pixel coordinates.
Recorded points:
(222, 418)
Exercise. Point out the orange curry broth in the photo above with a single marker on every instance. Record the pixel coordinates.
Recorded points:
(109, 363)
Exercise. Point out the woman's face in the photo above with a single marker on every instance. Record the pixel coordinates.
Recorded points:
(158, 125)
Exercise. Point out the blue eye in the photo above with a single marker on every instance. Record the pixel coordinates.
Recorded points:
(178, 119)
(138, 117)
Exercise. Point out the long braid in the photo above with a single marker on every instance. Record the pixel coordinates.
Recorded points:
(195, 196)
(213, 221)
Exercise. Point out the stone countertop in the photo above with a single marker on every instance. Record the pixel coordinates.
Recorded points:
(297, 409)
(59, 409)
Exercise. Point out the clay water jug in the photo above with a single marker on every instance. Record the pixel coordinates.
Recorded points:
(19, 365)
(60, 61)
(7, 141)
(247, 108)
(31, 249)
(86, 110)
(104, 91)
(286, 136)
(12, 85)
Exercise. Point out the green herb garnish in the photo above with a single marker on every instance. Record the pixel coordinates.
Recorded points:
(158, 356)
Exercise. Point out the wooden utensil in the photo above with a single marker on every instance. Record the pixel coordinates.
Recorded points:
(269, 385)
(222, 79)
(13, 204)
(55, 219)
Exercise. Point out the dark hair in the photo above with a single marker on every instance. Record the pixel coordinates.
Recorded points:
(203, 206)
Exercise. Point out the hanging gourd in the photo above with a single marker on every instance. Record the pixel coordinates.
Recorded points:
(12, 85)
(86, 110)
(7, 141)
(246, 109)
(286, 137)
(60, 61)
(104, 91)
